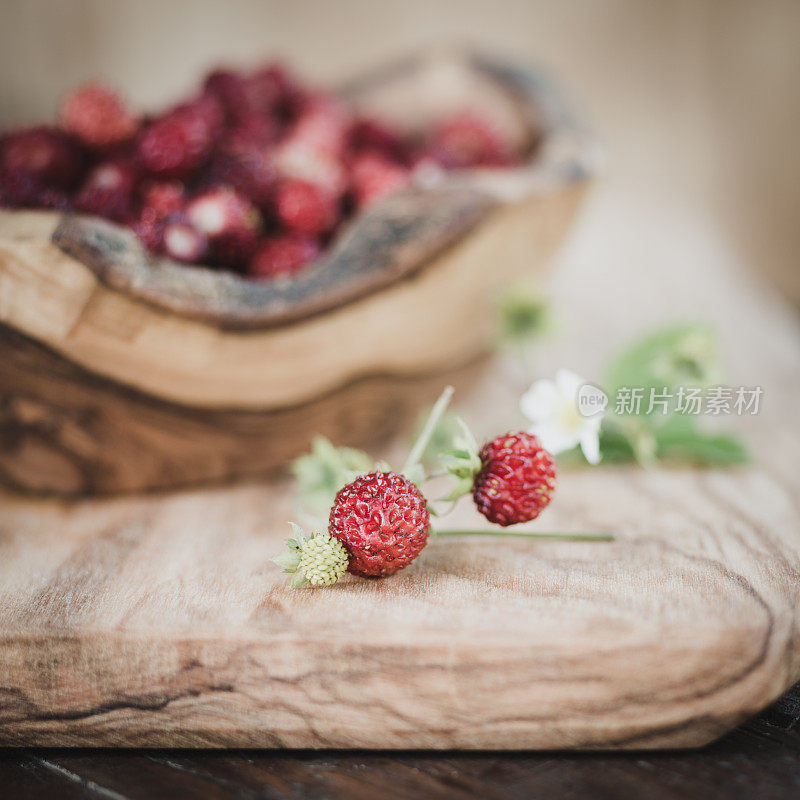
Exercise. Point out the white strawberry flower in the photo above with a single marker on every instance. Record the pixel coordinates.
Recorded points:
(553, 410)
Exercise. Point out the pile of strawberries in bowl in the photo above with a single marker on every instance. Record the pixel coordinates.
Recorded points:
(255, 174)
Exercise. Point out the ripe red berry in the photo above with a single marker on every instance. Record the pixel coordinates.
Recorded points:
(222, 210)
(243, 160)
(98, 117)
(288, 93)
(164, 197)
(42, 155)
(184, 242)
(175, 145)
(467, 140)
(242, 95)
(374, 177)
(149, 228)
(516, 481)
(305, 208)
(282, 255)
(383, 520)
(229, 221)
(323, 124)
(372, 135)
(108, 191)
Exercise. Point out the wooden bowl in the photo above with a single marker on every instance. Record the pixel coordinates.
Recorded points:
(124, 372)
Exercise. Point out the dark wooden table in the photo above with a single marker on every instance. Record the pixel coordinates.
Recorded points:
(759, 761)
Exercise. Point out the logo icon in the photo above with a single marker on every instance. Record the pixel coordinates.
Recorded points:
(592, 400)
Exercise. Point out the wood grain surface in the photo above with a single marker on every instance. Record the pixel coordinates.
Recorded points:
(160, 620)
(758, 760)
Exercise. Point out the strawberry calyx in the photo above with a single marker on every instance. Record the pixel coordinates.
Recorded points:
(462, 463)
(317, 559)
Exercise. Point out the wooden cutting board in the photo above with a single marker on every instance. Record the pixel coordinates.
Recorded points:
(160, 621)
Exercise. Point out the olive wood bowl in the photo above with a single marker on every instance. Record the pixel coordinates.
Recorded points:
(124, 372)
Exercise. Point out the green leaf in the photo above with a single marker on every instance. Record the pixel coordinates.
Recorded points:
(678, 355)
(681, 440)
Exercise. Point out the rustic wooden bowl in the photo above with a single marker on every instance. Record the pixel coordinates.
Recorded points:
(123, 372)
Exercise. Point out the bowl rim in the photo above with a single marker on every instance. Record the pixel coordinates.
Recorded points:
(388, 242)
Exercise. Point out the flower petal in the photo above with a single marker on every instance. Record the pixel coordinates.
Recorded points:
(568, 383)
(556, 438)
(590, 445)
(541, 401)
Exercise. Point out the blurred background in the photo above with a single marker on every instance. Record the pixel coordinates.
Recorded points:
(696, 101)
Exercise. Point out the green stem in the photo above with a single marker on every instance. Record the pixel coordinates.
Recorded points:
(427, 431)
(566, 537)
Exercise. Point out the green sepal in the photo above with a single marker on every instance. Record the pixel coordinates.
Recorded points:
(299, 581)
(462, 463)
(289, 559)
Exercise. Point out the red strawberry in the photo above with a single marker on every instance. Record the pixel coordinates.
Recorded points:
(149, 228)
(244, 161)
(184, 242)
(19, 188)
(323, 125)
(288, 94)
(374, 177)
(41, 155)
(177, 144)
(467, 140)
(222, 210)
(229, 221)
(108, 191)
(314, 147)
(372, 135)
(55, 199)
(164, 197)
(241, 95)
(98, 117)
(306, 209)
(383, 520)
(282, 255)
(516, 480)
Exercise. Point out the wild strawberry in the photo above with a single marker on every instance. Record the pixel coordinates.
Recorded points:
(55, 199)
(164, 197)
(222, 210)
(242, 95)
(323, 124)
(296, 159)
(318, 560)
(467, 140)
(234, 249)
(282, 255)
(287, 92)
(19, 188)
(373, 136)
(177, 144)
(98, 117)
(382, 519)
(108, 191)
(42, 155)
(207, 110)
(305, 208)
(149, 229)
(374, 177)
(184, 242)
(229, 221)
(516, 480)
(243, 160)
